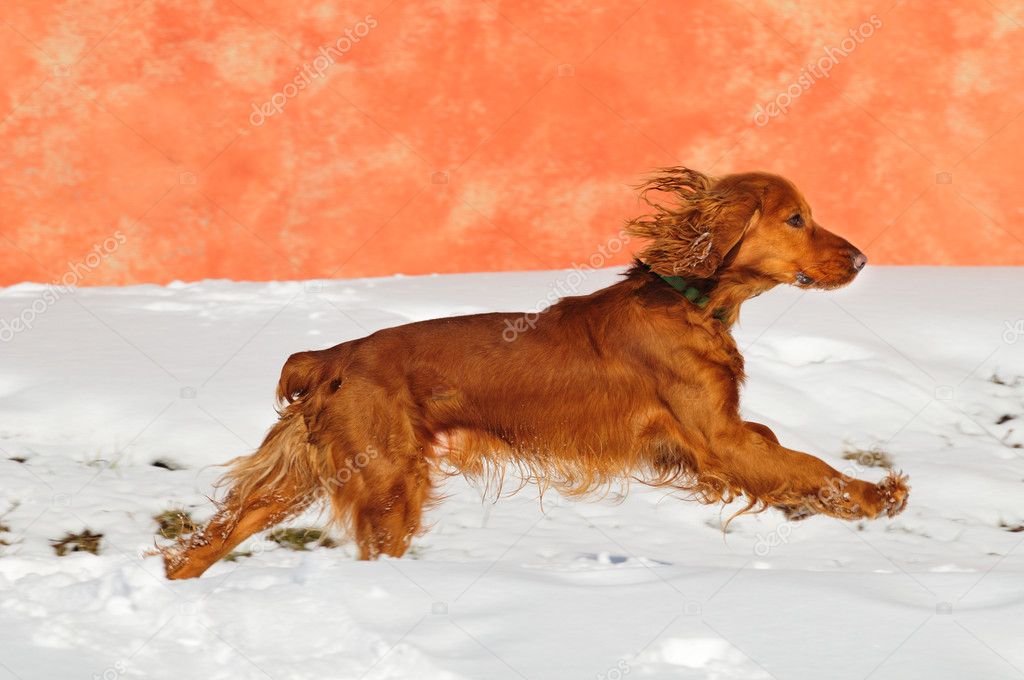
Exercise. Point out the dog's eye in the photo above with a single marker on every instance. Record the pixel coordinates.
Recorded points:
(795, 221)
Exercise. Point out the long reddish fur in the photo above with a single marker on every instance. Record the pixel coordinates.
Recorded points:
(632, 382)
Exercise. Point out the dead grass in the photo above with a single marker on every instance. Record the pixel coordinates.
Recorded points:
(175, 523)
(4, 527)
(297, 538)
(86, 541)
(873, 457)
(167, 464)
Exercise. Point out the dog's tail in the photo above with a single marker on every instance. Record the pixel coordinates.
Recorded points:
(290, 462)
(287, 466)
(300, 375)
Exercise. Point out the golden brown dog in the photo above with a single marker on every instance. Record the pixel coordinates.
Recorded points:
(639, 380)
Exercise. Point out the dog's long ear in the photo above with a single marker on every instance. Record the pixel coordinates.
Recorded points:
(692, 234)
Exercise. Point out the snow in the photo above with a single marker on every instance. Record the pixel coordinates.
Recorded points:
(920, 363)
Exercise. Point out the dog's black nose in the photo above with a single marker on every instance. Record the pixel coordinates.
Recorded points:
(859, 260)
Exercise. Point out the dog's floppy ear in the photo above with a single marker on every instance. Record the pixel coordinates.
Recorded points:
(692, 235)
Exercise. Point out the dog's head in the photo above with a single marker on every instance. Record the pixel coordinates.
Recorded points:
(753, 225)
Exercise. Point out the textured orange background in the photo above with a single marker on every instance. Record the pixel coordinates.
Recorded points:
(130, 117)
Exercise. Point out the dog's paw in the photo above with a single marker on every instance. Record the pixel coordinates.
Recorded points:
(856, 499)
(893, 492)
(888, 497)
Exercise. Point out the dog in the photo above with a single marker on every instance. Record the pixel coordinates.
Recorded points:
(637, 381)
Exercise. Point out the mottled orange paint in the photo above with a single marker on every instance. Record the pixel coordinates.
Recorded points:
(466, 135)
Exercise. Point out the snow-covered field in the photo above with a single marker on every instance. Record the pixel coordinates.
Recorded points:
(923, 365)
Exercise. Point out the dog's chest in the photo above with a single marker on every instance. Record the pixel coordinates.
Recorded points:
(711, 352)
(730, 355)
(721, 350)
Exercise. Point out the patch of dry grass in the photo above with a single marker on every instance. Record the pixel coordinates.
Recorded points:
(175, 523)
(237, 555)
(167, 464)
(85, 541)
(873, 457)
(5, 528)
(297, 538)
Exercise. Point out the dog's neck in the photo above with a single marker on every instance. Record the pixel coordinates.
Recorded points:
(719, 298)
(731, 289)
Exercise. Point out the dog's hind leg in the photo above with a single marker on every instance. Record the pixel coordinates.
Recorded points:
(387, 509)
(387, 470)
(282, 478)
(234, 523)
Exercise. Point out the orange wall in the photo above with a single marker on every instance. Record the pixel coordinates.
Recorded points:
(132, 151)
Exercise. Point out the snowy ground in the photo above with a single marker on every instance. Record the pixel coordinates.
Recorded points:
(923, 364)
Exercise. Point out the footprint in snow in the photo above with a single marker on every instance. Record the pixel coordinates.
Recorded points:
(801, 351)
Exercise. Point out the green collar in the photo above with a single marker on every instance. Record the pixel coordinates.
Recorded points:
(690, 292)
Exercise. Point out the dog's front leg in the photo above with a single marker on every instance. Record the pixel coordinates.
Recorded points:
(762, 430)
(750, 459)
